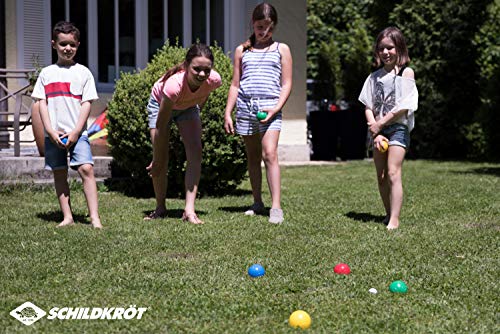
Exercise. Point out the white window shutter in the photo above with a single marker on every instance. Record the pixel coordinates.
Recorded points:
(35, 32)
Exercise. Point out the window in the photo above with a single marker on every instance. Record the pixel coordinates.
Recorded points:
(175, 21)
(76, 12)
(116, 41)
(217, 22)
(199, 18)
(156, 25)
(108, 30)
(105, 44)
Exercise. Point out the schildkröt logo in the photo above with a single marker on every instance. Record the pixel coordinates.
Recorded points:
(28, 313)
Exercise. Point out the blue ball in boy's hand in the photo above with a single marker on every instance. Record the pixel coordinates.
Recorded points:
(64, 140)
(256, 270)
(261, 115)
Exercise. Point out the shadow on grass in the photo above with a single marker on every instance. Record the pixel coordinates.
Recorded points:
(365, 217)
(237, 192)
(242, 209)
(57, 217)
(144, 189)
(495, 171)
(175, 213)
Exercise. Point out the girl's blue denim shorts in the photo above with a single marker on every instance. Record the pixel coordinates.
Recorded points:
(397, 134)
(177, 115)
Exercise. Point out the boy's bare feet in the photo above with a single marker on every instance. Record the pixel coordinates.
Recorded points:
(66, 222)
(96, 223)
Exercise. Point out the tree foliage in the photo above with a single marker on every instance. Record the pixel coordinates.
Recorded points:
(455, 52)
(338, 41)
(440, 35)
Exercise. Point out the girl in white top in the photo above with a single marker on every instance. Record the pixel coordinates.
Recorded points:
(262, 81)
(391, 97)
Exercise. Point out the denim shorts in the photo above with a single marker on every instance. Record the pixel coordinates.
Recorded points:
(177, 115)
(397, 134)
(57, 158)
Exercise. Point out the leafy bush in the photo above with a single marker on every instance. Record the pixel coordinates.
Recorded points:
(224, 163)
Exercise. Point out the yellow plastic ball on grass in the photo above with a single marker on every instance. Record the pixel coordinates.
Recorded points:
(300, 319)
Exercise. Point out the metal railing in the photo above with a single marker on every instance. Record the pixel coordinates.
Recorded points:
(20, 116)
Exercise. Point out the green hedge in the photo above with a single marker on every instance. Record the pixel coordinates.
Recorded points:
(224, 162)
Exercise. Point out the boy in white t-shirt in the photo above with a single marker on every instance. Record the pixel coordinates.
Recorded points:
(66, 90)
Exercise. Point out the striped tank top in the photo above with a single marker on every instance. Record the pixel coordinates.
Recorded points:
(260, 74)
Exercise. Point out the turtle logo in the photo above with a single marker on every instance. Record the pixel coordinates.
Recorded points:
(28, 313)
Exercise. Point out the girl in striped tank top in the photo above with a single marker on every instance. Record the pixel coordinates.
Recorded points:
(262, 81)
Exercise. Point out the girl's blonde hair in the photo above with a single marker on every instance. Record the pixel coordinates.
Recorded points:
(398, 39)
(263, 11)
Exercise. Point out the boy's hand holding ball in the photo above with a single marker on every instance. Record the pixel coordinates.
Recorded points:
(63, 140)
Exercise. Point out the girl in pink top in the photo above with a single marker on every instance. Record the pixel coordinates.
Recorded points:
(178, 97)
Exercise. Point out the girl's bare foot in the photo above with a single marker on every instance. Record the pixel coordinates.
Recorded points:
(157, 214)
(192, 218)
(393, 224)
(66, 222)
(96, 223)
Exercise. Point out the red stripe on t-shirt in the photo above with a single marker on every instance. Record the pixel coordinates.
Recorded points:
(60, 89)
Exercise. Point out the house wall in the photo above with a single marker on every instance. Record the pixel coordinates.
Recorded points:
(291, 30)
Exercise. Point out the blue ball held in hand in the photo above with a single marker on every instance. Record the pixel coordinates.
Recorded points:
(64, 140)
(256, 270)
(261, 115)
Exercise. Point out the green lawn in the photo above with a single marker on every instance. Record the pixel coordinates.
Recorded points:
(193, 279)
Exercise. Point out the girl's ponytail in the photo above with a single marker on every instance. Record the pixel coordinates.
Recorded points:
(173, 70)
(249, 43)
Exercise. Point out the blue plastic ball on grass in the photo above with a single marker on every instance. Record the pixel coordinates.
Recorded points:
(256, 270)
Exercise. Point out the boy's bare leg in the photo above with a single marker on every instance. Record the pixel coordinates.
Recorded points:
(86, 172)
(62, 192)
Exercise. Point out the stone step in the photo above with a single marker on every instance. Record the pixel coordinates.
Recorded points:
(25, 169)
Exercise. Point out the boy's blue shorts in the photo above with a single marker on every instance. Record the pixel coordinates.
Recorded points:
(57, 158)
